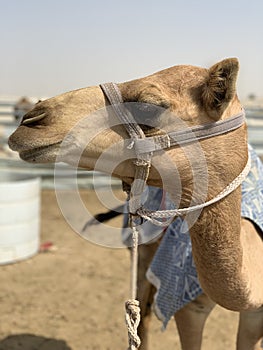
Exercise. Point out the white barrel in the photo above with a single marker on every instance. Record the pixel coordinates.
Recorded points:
(19, 217)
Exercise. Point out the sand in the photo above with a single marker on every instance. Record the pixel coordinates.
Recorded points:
(72, 297)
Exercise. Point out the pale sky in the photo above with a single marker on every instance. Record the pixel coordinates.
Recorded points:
(52, 46)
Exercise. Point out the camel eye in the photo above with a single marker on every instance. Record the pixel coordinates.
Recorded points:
(146, 114)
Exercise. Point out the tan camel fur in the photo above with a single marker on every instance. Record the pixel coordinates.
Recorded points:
(228, 251)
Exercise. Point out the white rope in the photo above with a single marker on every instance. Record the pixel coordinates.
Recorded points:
(132, 319)
(143, 149)
(132, 307)
(153, 216)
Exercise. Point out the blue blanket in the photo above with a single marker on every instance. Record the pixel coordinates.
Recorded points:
(172, 270)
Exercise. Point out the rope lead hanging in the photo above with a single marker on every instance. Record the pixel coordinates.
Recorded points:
(132, 319)
(132, 307)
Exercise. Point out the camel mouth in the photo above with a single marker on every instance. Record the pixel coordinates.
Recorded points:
(42, 154)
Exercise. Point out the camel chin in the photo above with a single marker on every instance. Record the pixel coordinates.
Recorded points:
(43, 154)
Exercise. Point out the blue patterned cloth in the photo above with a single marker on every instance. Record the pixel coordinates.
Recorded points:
(172, 270)
(252, 191)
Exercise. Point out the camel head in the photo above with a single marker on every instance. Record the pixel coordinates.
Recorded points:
(195, 95)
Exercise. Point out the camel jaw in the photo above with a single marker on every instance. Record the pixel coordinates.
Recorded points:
(43, 154)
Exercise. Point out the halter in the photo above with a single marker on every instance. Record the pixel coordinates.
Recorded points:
(144, 148)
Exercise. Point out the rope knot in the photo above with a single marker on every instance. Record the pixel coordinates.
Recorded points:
(132, 318)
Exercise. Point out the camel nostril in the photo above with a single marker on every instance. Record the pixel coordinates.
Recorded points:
(31, 120)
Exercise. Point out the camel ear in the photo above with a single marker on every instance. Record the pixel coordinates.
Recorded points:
(220, 87)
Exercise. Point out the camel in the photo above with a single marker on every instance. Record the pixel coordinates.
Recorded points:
(228, 251)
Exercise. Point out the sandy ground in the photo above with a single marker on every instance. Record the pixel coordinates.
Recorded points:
(72, 298)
